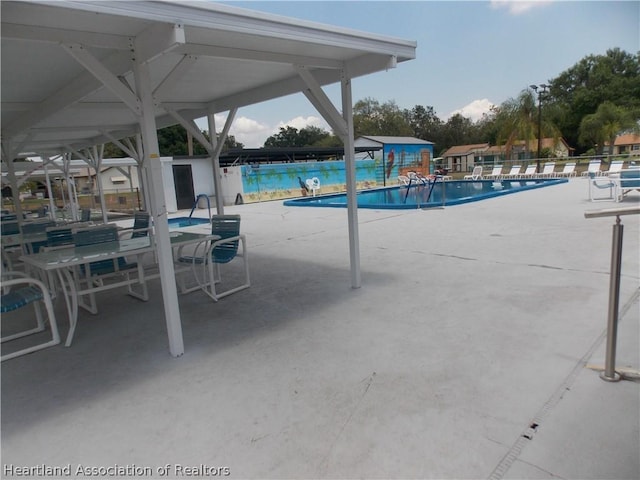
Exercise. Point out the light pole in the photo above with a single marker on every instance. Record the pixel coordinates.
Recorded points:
(543, 88)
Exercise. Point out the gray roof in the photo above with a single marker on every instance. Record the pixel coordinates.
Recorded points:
(396, 140)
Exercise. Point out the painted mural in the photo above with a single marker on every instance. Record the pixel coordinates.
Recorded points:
(262, 182)
(400, 159)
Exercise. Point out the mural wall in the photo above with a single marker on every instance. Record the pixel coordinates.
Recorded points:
(285, 180)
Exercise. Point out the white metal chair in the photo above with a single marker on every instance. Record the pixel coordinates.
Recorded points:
(548, 171)
(476, 174)
(205, 261)
(496, 173)
(594, 167)
(568, 170)
(604, 184)
(19, 291)
(614, 167)
(530, 171)
(514, 172)
(313, 184)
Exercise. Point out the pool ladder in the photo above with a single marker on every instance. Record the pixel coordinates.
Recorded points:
(195, 204)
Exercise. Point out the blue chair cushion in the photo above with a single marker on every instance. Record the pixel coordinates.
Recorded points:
(19, 298)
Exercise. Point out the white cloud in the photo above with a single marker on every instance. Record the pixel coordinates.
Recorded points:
(517, 7)
(252, 134)
(475, 109)
(302, 122)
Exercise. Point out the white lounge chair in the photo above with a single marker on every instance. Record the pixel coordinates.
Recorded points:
(548, 170)
(594, 167)
(495, 173)
(529, 172)
(569, 170)
(614, 167)
(514, 172)
(476, 174)
(403, 180)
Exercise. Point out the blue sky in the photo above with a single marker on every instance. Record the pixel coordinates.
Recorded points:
(470, 54)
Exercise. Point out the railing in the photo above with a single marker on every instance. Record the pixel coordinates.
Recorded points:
(609, 374)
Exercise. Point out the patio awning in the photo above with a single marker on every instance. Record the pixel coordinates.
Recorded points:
(76, 74)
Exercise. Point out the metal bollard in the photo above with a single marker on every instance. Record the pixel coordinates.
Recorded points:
(609, 374)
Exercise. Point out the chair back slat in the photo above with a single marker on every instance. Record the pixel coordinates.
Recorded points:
(226, 226)
(141, 222)
(96, 235)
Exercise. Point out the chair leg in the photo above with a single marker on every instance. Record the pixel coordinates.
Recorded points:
(55, 334)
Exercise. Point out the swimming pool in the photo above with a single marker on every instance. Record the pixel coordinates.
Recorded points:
(439, 194)
(180, 222)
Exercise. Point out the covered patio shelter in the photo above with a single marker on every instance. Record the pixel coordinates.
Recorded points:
(76, 75)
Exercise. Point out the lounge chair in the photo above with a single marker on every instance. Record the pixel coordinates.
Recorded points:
(313, 184)
(626, 181)
(548, 170)
(18, 291)
(514, 172)
(476, 174)
(495, 173)
(594, 167)
(530, 171)
(205, 261)
(569, 170)
(403, 180)
(614, 167)
(140, 228)
(596, 184)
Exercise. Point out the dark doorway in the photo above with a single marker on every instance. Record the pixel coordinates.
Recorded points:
(183, 181)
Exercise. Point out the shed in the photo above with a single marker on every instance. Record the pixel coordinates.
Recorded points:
(399, 155)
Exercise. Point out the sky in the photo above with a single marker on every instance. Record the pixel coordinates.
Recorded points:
(470, 54)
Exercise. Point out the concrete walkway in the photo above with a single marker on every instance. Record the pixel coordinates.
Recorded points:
(471, 351)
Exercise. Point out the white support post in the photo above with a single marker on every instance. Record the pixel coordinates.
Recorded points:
(52, 204)
(350, 168)
(216, 145)
(159, 209)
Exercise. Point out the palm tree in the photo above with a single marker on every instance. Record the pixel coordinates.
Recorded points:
(517, 119)
(605, 125)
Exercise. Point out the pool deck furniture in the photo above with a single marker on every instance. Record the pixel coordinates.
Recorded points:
(205, 261)
(625, 181)
(548, 170)
(21, 291)
(614, 167)
(597, 184)
(513, 173)
(530, 171)
(569, 170)
(495, 174)
(594, 167)
(68, 264)
(476, 174)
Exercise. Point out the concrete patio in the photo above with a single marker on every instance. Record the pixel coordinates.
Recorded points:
(473, 323)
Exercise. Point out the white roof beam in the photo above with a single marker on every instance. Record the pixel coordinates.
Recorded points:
(158, 40)
(321, 102)
(178, 72)
(81, 86)
(258, 55)
(108, 79)
(60, 35)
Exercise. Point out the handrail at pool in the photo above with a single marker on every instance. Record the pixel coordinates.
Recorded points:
(612, 212)
(609, 374)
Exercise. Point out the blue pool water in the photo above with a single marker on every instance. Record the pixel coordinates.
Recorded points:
(179, 222)
(424, 196)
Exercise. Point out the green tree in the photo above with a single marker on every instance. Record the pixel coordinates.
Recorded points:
(309, 136)
(372, 118)
(605, 125)
(581, 89)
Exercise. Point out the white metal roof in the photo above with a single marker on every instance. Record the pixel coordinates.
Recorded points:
(203, 58)
(387, 140)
